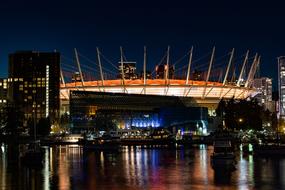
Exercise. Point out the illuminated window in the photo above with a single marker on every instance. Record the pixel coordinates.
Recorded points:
(29, 97)
(92, 110)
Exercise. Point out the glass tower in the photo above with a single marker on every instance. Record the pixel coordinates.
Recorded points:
(34, 83)
(281, 85)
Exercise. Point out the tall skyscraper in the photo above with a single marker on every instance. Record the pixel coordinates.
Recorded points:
(3, 91)
(264, 85)
(3, 100)
(33, 84)
(281, 85)
(129, 69)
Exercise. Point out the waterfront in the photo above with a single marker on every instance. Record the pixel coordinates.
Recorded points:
(70, 167)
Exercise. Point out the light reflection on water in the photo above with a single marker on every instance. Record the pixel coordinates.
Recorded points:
(70, 167)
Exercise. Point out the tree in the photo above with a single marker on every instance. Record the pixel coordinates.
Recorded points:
(274, 121)
(43, 127)
(242, 114)
(64, 122)
(221, 108)
(13, 120)
(3, 119)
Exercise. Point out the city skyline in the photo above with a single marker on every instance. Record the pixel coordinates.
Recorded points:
(133, 25)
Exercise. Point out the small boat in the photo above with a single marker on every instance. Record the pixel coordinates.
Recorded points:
(106, 142)
(223, 156)
(33, 156)
(185, 139)
(156, 137)
(70, 139)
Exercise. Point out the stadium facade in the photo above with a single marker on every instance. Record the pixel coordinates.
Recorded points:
(197, 86)
(136, 111)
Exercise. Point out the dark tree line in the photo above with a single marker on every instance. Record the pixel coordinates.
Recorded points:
(244, 114)
(43, 127)
(11, 118)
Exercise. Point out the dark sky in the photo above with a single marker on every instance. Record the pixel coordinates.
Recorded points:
(63, 25)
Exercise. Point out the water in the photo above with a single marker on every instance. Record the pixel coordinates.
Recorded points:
(69, 167)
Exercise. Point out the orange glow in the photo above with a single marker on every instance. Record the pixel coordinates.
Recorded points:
(172, 87)
(118, 82)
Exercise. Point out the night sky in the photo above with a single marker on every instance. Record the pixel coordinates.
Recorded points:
(63, 25)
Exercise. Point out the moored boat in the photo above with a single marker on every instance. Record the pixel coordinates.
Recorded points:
(106, 142)
(156, 137)
(223, 156)
(33, 156)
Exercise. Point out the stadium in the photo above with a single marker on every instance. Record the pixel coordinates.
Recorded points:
(204, 82)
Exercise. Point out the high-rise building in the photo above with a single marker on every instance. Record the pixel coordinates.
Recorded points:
(281, 86)
(33, 84)
(129, 70)
(3, 91)
(264, 85)
(3, 99)
(197, 75)
(161, 71)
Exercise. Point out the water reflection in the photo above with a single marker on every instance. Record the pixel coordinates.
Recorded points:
(71, 167)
